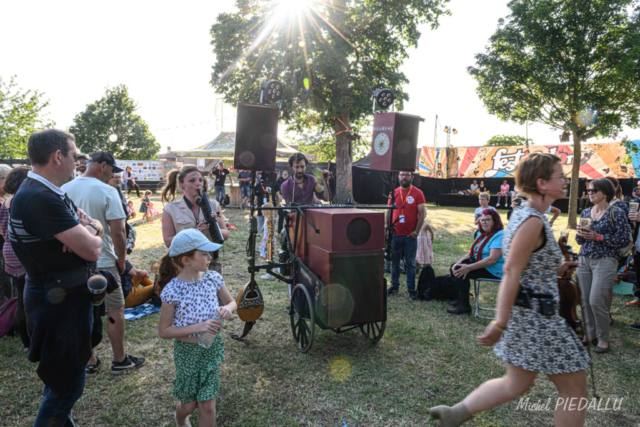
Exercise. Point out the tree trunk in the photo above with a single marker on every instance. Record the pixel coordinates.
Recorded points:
(575, 176)
(344, 192)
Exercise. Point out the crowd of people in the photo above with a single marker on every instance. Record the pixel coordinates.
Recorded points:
(60, 230)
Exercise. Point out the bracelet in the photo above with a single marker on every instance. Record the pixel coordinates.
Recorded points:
(498, 327)
(121, 263)
(415, 233)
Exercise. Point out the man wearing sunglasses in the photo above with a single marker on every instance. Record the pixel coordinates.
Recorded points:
(81, 165)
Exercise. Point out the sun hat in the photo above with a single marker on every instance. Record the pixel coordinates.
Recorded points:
(190, 239)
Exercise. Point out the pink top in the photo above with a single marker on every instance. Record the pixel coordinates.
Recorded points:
(12, 264)
(504, 189)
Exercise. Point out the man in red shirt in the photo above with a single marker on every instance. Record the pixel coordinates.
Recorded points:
(407, 221)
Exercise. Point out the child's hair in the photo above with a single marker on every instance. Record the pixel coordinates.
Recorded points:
(170, 267)
(130, 203)
(147, 192)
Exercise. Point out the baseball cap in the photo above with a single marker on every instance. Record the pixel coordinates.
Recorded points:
(190, 239)
(104, 156)
(82, 155)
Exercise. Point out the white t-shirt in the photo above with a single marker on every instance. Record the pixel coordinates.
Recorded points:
(194, 302)
(479, 210)
(102, 203)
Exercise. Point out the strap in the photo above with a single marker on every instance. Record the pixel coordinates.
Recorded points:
(245, 332)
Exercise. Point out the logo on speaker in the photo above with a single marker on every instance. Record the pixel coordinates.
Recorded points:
(381, 144)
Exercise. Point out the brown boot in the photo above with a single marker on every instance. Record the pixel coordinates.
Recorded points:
(450, 416)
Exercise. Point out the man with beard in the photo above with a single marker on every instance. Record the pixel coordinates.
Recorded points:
(300, 187)
(407, 221)
(81, 166)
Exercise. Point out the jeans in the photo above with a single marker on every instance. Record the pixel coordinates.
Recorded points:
(55, 411)
(506, 198)
(409, 246)
(220, 194)
(246, 191)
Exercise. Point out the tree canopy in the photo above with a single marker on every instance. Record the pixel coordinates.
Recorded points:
(21, 114)
(572, 65)
(114, 114)
(330, 56)
(499, 140)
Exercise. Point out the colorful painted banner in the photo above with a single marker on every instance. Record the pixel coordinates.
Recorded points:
(596, 160)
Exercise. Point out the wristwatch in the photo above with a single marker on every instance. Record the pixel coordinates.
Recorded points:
(95, 227)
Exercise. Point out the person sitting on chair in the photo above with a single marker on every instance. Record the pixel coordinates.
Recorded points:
(484, 260)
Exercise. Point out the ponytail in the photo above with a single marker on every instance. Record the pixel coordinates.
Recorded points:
(175, 176)
(170, 267)
(169, 190)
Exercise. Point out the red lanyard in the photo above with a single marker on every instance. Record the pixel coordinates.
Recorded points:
(264, 191)
(402, 200)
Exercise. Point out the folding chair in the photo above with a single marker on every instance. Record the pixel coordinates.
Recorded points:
(476, 291)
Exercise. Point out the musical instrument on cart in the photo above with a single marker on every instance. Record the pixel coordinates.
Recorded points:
(333, 262)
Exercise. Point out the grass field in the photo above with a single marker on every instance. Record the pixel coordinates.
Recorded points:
(426, 357)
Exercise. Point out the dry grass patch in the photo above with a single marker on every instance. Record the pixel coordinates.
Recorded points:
(426, 357)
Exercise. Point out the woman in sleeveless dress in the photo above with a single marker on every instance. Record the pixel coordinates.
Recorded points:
(186, 213)
(530, 342)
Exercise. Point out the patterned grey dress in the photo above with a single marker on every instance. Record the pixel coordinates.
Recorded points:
(533, 341)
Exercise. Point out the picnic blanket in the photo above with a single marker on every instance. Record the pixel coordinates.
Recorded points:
(140, 311)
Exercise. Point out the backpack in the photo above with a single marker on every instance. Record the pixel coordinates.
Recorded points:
(8, 312)
(431, 287)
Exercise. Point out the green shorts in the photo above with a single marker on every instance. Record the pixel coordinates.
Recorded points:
(197, 370)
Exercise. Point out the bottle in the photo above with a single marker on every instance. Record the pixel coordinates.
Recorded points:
(206, 339)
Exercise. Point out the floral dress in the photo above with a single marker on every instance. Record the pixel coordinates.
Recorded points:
(424, 254)
(545, 344)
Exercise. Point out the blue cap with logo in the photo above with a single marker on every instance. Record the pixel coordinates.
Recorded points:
(190, 239)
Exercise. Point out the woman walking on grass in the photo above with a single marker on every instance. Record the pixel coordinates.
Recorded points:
(530, 342)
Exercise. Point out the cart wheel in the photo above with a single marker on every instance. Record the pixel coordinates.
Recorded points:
(302, 318)
(373, 331)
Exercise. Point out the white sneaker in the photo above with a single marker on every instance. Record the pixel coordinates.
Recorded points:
(267, 277)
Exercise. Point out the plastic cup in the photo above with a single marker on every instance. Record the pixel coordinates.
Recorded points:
(633, 206)
(585, 223)
(97, 286)
(564, 234)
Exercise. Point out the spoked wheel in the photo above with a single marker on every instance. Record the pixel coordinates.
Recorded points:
(302, 318)
(373, 331)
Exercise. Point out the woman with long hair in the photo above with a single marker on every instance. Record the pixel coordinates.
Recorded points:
(186, 213)
(484, 260)
(530, 340)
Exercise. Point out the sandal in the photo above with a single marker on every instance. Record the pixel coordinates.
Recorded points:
(92, 369)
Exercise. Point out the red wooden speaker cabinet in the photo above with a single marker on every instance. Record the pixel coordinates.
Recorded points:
(394, 142)
(345, 230)
(256, 137)
(352, 289)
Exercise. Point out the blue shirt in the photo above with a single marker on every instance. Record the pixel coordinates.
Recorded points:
(494, 243)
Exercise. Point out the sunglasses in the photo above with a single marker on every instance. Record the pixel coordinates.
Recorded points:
(592, 190)
(83, 162)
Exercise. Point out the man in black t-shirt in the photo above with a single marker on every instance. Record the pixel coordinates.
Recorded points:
(221, 174)
(50, 235)
(267, 191)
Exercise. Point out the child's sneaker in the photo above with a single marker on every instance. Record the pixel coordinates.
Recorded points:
(186, 420)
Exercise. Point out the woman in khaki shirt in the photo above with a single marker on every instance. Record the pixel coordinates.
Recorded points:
(186, 213)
